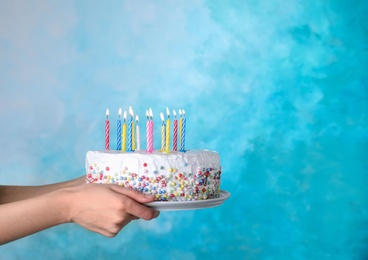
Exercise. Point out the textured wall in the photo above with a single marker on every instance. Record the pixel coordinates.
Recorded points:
(279, 88)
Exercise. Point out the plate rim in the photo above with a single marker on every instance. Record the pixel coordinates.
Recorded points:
(189, 205)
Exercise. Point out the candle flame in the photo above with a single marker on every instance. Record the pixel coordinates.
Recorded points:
(107, 112)
(137, 119)
(125, 115)
(168, 112)
(131, 111)
(180, 112)
(174, 112)
(150, 112)
(147, 115)
(162, 117)
(120, 112)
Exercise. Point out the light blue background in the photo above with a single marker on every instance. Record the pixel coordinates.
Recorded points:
(279, 88)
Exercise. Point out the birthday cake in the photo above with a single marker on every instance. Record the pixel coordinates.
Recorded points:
(175, 176)
(168, 174)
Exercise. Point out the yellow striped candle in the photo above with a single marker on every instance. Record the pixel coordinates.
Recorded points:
(123, 147)
(162, 132)
(138, 133)
(133, 137)
(167, 143)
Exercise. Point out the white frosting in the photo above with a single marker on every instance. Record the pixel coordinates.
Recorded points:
(189, 175)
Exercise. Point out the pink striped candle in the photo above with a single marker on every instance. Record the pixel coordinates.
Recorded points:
(151, 130)
(107, 131)
(175, 137)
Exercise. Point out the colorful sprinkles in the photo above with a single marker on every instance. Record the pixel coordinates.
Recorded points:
(164, 184)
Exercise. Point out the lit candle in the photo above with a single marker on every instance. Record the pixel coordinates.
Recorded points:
(118, 141)
(167, 133)
(175, 137)
(107, 131)
(138, 133)
(182, 143)
(151, 130)
(123, 147)
(147, 131)
(180, 123)
(133, 133)
(130, 133)
(162, 132)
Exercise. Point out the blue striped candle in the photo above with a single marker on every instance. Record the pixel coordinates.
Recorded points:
(130, 128)
(118, 136)
(182, 144)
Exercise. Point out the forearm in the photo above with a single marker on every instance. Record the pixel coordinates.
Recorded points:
(16, 193)
(113, 207)
(25, 217)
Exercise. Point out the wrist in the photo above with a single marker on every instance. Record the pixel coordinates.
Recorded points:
(63, 202)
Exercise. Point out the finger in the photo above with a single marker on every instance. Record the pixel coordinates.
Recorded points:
(114, 229)
(134, 194)
(134, 208)
(126, 220)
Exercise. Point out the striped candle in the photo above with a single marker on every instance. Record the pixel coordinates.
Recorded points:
(182, 143)
(134, 143)
(151, 130)
(138, 133)
(167, 133)
(133, 132)
(123, 147)
(107, 131)
(180, 123)
(175, 133)
(147, 131)
(175, 137)
(130, 125)
(118, 132)
(163, 129)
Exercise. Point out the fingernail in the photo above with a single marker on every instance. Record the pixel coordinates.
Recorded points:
(149, 196)
(157, 213)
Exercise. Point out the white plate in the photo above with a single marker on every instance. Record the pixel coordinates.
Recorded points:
(189, 205)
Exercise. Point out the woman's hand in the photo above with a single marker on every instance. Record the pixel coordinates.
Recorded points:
(107, 208)
(102, 208)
